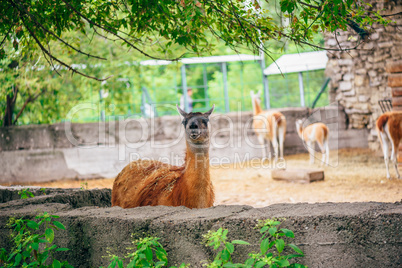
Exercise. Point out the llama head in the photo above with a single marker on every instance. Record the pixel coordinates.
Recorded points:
(255, 96)
(196, 126)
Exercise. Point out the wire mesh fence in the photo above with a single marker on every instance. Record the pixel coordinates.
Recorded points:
(157, 89)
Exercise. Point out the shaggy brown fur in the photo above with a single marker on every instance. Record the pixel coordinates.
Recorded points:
(152, 183)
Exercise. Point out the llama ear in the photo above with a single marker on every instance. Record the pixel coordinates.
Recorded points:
(252, 93)
(210, 111)
(183, 113)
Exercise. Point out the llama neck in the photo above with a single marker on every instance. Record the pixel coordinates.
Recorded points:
(197, 165)
(256, 107)
(196, 177)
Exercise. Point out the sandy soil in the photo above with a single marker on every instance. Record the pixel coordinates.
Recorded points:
(354, 175)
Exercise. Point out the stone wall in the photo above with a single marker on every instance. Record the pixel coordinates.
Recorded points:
(63, 151)
(358, 76)
(330, 235)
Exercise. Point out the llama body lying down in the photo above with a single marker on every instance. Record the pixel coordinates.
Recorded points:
(152, 183)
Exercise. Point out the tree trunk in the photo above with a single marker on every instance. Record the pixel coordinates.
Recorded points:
(11, 100)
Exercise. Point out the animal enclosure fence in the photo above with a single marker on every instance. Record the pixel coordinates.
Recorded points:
(224, 82)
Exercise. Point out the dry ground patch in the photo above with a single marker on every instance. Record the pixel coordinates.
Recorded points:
(355, 175)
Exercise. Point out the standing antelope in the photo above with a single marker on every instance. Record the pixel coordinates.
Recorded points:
(389, 129)
(152, 183)
(269, 126)
(317, 132)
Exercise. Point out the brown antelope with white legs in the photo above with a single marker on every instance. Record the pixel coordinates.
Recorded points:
(269, 126)
(317, 132)
(389, 129)
(152, 183)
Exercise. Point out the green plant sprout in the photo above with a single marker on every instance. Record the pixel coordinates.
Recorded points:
(148, 253)
(25, 193)
(271, 237)
(43, 190)
(84, 185)
(31, 247)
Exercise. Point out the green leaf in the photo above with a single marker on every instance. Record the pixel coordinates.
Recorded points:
(161, 254)
(249, 262)
(288, 233)
(264, 229)
(295, 248)
(148, 254)
(52, 247)
(59, 225)
(230, 265)
(225, 255)
(56, 264)
(62, 249)
(35, 246)
(264, 245)
(230, 247)
(291, 256)
(272, 230)
(26, 254)
(32, 225)
(283, 263)
(49, 234)
(259, 264)
(240, 242)
(280, 245)
(18, 259)
(225, 232)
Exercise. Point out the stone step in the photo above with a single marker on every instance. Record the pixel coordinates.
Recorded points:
(298, 175)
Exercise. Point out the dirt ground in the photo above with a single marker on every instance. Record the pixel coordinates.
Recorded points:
(354, 175)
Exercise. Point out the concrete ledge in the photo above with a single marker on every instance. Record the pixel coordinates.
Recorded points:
(331, 235)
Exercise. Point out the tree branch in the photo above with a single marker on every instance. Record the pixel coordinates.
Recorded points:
(312, 6)
(111, 32)
(19, 7)
(56, 59)
(4, 39)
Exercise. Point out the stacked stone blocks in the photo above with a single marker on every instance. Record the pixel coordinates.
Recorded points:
(358, 70)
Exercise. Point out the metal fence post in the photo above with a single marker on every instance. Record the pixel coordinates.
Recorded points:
(301, 88)
(225, 86)
(184, 87)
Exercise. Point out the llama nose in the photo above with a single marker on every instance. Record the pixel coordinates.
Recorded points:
(194, 133)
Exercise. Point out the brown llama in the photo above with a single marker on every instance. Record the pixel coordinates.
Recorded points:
(269, 126)
(316, 132)
(389, 129)
(152, 183)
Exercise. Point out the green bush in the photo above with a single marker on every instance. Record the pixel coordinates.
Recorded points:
(33, 248)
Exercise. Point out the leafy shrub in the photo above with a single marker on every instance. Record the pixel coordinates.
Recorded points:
(148, 253)
(25, 193)
(271, 237)
(32, 248)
